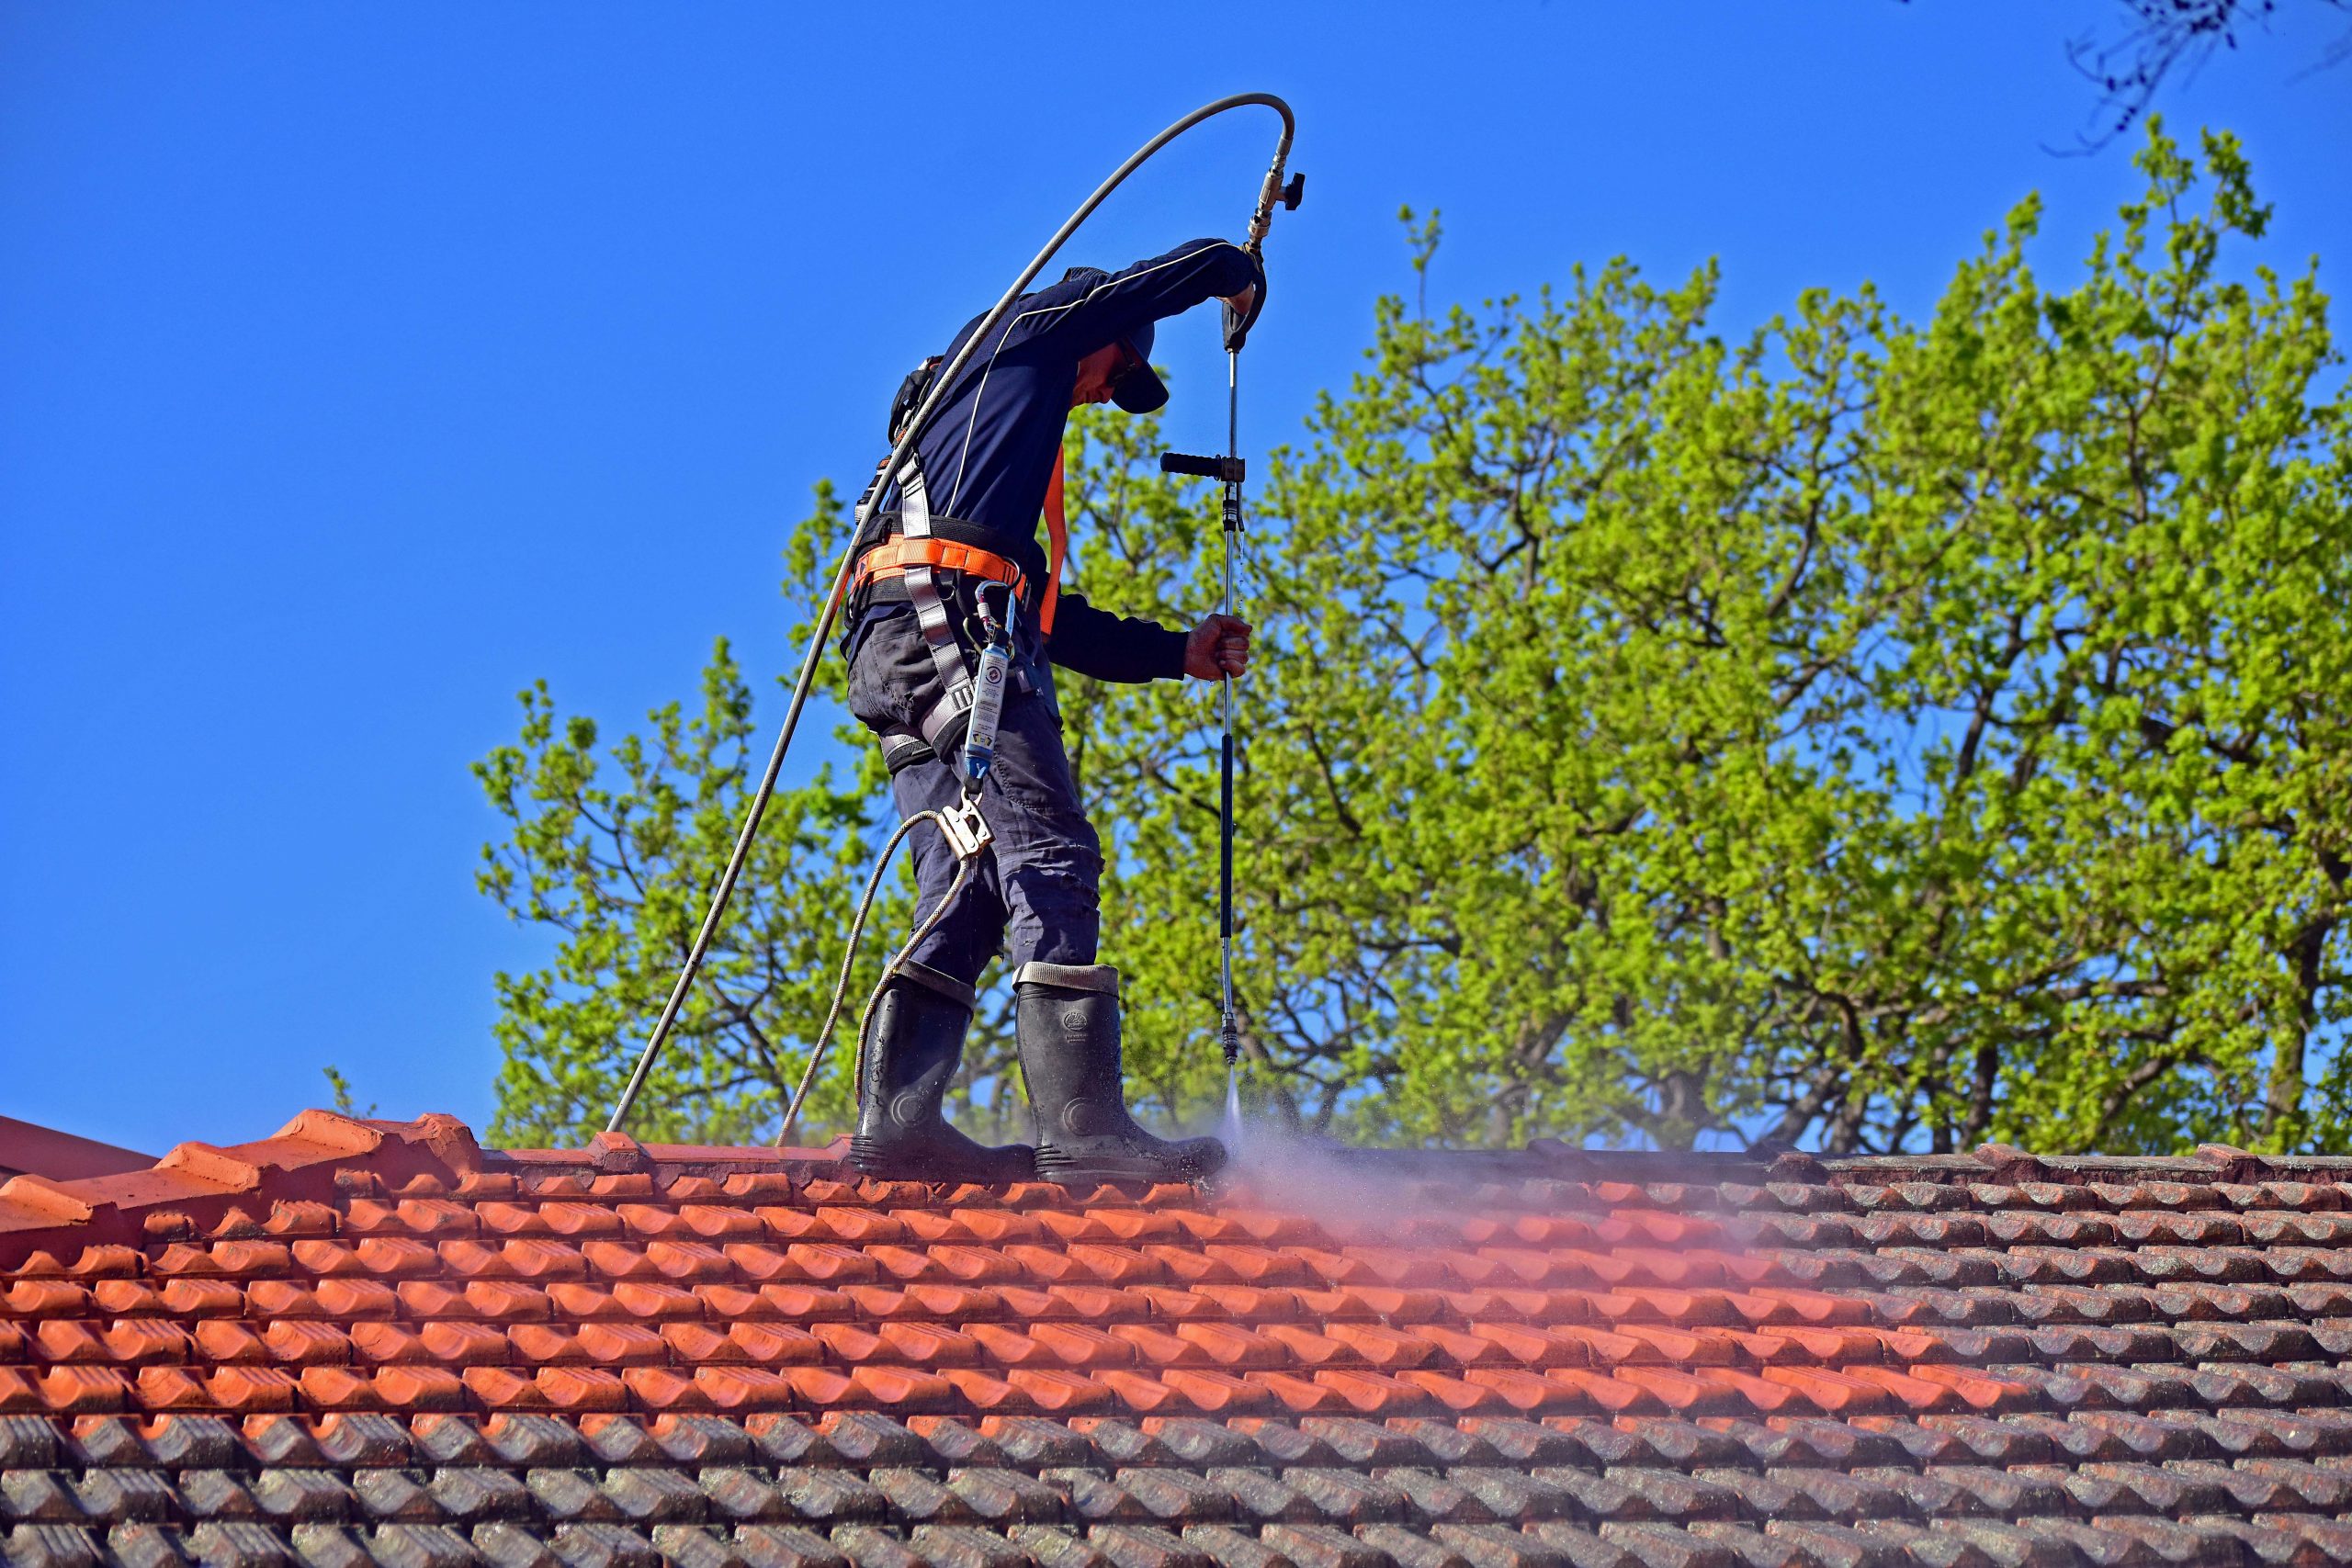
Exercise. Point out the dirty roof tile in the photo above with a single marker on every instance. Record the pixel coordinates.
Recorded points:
(1542, 1357)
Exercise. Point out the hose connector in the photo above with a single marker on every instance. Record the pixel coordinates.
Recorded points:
(1262, 217)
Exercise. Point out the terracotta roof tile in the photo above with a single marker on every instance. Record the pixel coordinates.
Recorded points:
(640, 1352)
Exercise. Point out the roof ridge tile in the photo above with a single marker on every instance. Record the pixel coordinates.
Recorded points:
(193, 1189)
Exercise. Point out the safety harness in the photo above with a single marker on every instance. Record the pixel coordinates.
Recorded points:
(911, 562)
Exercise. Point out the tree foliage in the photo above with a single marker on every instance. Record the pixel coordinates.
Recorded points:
(614, 856)
(1867, 733)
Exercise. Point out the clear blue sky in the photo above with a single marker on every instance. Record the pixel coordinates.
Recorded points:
(359, 364)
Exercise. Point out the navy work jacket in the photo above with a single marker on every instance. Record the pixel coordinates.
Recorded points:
(989, 452)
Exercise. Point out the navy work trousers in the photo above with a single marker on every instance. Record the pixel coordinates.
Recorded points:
(1042, 874)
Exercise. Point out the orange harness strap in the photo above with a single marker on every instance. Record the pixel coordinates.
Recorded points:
(893, 556)
(1056, 547)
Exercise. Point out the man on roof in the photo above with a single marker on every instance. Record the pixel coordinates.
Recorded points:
(953, 542)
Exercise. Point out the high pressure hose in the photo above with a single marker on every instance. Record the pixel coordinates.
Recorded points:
(1260, 219)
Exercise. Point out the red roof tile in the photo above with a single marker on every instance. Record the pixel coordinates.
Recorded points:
(414, 1348)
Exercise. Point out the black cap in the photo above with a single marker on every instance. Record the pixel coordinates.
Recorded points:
(1140, 391)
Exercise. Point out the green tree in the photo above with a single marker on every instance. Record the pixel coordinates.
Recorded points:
(1868, 734)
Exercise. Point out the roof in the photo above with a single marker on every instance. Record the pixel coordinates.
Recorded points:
(26, 1146)
(378, 1341)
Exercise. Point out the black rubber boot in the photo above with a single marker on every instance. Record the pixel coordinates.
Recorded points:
(1068, 1017)
(912, 1051)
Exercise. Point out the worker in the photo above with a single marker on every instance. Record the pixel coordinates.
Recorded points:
(951, 552)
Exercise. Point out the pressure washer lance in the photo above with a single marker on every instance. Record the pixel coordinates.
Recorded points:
(1230, 470)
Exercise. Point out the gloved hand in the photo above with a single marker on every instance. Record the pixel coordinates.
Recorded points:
(1238, 325)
